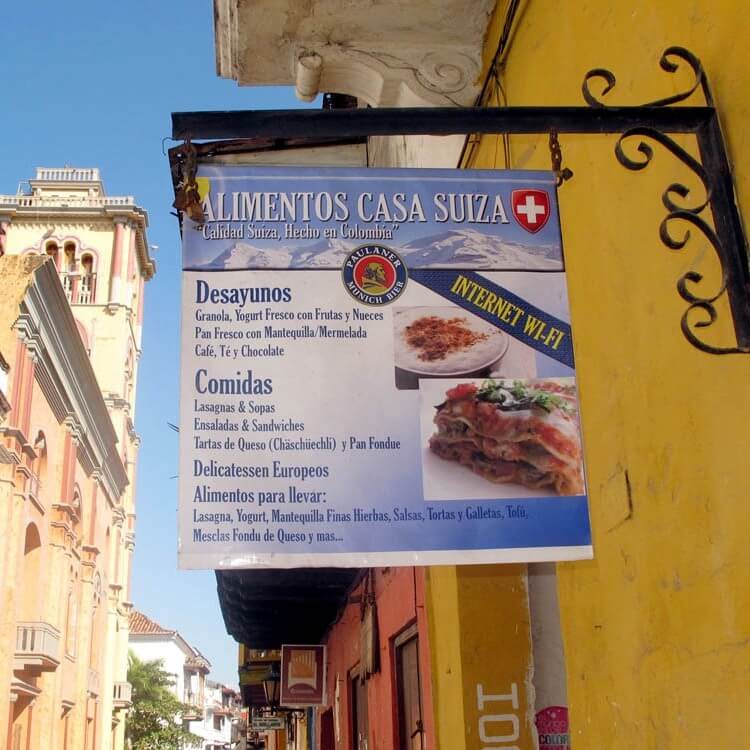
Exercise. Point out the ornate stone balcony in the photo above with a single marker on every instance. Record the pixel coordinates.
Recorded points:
(193, 706)
(37, 647)
(123, 695)
(80, 288)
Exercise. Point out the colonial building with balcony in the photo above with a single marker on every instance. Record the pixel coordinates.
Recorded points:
(222, 716)
(73, 263)
(211, 709)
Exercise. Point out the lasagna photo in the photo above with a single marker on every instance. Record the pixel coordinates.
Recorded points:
(501, 438)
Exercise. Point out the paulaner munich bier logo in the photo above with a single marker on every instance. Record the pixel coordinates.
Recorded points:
(374, 275)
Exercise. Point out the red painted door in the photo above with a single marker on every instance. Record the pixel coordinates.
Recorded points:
(410, 726)
(327, 735)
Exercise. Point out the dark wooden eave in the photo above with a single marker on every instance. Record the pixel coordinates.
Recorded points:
(266, 608)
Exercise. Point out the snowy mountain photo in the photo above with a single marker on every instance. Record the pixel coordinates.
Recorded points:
(458, 248)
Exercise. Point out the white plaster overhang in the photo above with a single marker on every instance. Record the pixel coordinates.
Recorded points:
(387, 53)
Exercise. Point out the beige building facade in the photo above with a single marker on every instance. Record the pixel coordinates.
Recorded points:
(73, 264)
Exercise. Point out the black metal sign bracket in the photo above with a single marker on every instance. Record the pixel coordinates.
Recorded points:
(715, 215)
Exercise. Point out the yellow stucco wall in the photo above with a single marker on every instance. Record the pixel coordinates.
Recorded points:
(657, 626)
(481, 657)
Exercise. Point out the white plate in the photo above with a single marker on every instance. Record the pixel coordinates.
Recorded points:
(493, 348)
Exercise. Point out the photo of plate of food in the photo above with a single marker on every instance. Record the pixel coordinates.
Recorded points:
(497, 438)
(442, 342)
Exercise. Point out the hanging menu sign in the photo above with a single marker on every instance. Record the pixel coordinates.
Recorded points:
(377, 369)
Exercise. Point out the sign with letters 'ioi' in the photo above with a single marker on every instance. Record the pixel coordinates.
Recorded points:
(377, 369)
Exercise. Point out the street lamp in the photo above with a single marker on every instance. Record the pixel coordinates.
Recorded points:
(271, 684)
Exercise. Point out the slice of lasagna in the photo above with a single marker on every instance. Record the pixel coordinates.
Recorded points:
(524, 432)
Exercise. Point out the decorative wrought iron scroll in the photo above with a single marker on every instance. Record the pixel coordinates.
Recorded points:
(708, 173)
(714, 214)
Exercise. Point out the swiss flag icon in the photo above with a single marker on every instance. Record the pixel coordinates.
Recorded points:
(530, 208)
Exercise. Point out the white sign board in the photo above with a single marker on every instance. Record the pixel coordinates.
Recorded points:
(377, 369)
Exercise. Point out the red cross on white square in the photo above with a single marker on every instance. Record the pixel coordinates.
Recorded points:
(531, 208)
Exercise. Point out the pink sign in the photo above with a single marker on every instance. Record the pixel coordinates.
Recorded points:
(552, 727)
(303, 675)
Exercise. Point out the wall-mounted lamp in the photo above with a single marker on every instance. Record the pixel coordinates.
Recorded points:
(271, 683)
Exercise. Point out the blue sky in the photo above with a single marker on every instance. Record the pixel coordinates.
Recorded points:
(92, 84)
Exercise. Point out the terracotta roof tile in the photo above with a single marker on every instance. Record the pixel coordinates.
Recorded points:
(142, 625)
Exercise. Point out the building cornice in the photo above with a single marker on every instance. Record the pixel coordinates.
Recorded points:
(85, 208)
(66, 376)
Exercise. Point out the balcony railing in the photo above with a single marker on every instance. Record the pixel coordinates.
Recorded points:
(37, 646)
(67, 201)
(68, 282)
(123, 694)
(67, 174)
(194, 699)
(93, 682)
(86, 289)
(193, 705)
(80, 289)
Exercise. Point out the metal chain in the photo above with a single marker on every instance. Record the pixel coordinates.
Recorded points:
(555, 151)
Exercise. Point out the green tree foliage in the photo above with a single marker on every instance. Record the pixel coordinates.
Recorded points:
(154, 719)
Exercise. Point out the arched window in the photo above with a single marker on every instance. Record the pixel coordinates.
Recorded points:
(40, 446)
(71, 615)
(92, 516)
(118, 552)
(107, 561)
(88, 280)
(129, 372)
(39, 467)
(77, 514)
(32, 552)
(52, 249)
(65, 263)
(69, 255)
(96, 624)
